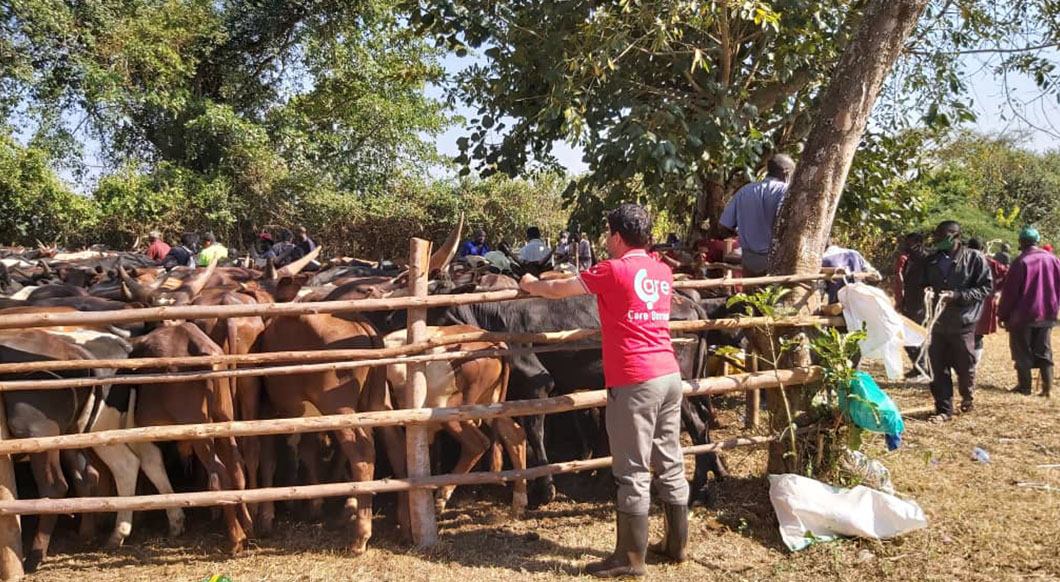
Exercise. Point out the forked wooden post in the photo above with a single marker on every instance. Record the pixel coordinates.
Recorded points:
(421, 503)
(10, 526)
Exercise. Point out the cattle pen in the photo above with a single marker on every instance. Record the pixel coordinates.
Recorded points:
(414, 420)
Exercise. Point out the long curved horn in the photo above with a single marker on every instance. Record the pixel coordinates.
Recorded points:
(294, 268)
(196, 283)
(137, 292)
(270, 270)
(445, 253)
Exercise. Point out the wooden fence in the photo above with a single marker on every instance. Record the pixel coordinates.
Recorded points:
(415, 420)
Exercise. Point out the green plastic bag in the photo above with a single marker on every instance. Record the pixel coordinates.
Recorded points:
(869, 407)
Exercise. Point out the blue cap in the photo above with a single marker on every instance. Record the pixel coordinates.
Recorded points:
(1030, 234)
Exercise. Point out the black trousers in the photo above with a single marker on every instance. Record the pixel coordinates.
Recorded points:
(952, 351)
(1031, 346)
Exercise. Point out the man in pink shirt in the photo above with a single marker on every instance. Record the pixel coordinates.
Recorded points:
(633, 291)
(157, 248)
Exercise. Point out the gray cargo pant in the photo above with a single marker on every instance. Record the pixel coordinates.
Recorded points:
(644, 428)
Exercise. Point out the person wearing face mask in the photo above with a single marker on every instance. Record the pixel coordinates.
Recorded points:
(565, 249)
(960, 278)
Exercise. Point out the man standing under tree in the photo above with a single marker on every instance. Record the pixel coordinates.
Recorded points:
(1029, 307)
(960, 278)
(633, 292)
(753, 211)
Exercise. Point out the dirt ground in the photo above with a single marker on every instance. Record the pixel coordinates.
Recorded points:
(983, 524)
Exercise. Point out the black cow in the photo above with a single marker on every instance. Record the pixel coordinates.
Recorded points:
(557, 373)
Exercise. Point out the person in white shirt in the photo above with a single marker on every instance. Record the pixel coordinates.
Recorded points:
(535, 250)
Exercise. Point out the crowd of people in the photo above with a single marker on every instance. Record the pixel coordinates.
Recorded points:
(571, 250)
(965, 294)
(282, 248)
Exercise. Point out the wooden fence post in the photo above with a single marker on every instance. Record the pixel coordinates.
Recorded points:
(10, 525)
(421, 503)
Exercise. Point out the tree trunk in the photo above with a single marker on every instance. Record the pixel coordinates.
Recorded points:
(805, 219)
(709, 204)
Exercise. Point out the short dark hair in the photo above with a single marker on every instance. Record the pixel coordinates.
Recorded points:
(780, 166)
(533, 232)
(632, 223)
(284, 235)
(1005, 247)
(209, 237)
(949, 225)
(975, 243)
(189, 239)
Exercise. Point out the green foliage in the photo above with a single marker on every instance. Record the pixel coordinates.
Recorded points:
(34, 203)
(766, 302)
(221, 115)
(836, 352)
(1010, 220)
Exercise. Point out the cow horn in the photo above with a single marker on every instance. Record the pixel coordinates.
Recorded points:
(196, 283)
(270, 270)
(133, 288)
(441, 258)
(46, 270)
(295, 267)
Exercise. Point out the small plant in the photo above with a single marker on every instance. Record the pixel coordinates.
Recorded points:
(1007, 221)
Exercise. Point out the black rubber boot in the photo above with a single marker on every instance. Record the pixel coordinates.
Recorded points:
(631, 546)
(674, 544)
(1047, 381)
(1023, 382)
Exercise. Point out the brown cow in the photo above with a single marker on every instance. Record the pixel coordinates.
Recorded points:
(477, 380)
(195, 402)
(335, 392)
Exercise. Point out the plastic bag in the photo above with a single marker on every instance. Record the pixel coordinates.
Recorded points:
(869, 407)
(870, 472)
(810, 511)
(869, 307)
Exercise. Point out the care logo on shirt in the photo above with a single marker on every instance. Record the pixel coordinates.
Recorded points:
(649, 290)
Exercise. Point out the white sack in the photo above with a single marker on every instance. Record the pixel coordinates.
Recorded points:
(806, 506)
(885, 331)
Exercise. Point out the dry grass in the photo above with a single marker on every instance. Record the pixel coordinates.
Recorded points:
(982, 525)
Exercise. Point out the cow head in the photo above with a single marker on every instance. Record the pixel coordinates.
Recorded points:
(167, 290)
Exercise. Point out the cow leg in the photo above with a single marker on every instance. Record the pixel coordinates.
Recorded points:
(219, 480)
(514, 438)
(473, 444)
(359, 448)
(233, 464)
(125, 468)
(706, 462)
(311, 456)
(248, 396)
(394, 445)
(85, 481)
(542, 490)
(715, 461)
(51, 484)
(152, 465)
(267, 509)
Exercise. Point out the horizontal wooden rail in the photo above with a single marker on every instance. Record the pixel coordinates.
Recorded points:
(770, 280)
(514, 408)
(375, 353)
(185, 312)
(211, 498)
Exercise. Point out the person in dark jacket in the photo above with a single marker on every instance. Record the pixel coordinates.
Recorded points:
(1030, 302)
(184, 254)
(283, 251)
(961, 278)
(908, 295)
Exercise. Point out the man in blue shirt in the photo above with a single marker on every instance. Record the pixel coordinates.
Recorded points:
(476, 246)
(753, 210)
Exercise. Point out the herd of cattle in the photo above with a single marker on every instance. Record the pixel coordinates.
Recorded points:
(42, 280)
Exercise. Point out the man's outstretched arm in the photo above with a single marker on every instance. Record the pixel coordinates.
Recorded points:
(552, 288)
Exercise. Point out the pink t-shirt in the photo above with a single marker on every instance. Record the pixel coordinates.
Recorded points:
(633, 297)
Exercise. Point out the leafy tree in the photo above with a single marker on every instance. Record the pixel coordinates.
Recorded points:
(688, 98)
(251, 106)
(35, 205)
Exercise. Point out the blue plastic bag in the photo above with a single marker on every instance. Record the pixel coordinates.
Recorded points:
(869, 407)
